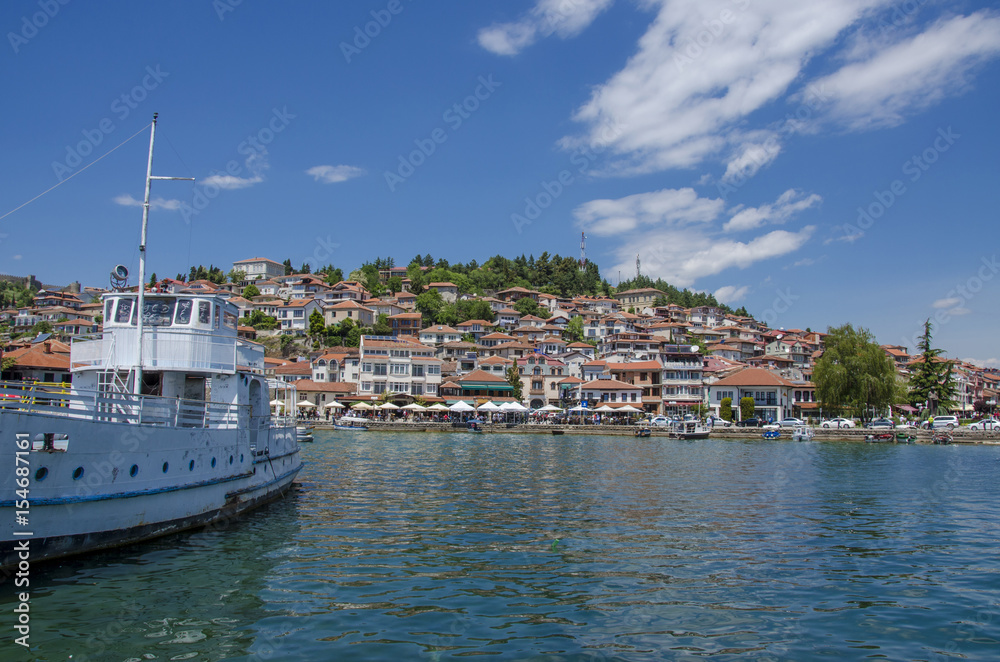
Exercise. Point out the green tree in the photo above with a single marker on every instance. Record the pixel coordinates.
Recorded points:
(317, 325)
(305, 268)
(726, 409)
(289, 270)
(931, 378)
(747, 408)
(236, 276)
(429, 304)
(353, 337)
(250, 291)
(854, 372)
(514, 379)
(395, 284)
(574, 329)
(527, 306)
(152, 279)
(286, 344)
(260, 321)
(382, 326)
(41, 327)
(476, 309)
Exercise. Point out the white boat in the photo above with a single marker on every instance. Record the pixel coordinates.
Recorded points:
(802, 433)
(304, 433)
(691, 430)
(350, 423)
(166, 426)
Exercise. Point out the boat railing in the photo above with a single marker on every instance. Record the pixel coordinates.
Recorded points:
(117, 407)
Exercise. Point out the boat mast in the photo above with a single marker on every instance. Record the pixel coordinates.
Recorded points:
(141, 299)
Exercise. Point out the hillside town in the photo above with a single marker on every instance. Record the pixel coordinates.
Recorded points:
(617, 349)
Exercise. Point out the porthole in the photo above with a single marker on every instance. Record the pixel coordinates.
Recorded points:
(134, 471)
(78, 473)
(230, 459)
(191, 465)
(41, 474)
(166, 465)
(213, 462)
(241, 458)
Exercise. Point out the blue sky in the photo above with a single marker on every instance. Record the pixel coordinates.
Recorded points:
(820, 163)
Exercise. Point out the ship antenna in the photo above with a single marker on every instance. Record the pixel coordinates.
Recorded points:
(141, 299)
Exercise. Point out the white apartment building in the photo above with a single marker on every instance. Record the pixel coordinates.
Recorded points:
(259, 268)
(398, 366)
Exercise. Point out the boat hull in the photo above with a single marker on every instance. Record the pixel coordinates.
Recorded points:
(113, 484)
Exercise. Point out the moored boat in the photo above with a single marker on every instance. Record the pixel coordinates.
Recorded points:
(692, 430)
(802, 433)
(351, 423)
(166, 426)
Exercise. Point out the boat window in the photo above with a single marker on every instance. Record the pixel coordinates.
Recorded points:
(229, 319)
(124, 311)
(158, 312)
(183, 315)
(108, 308)
(204, 312)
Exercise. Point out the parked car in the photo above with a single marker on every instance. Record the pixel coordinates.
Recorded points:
(881, 423)
(838, 422)
(942, 423)
(717, 422)
(659, 421)
(753, 422)
(791, 422)
(985, 424)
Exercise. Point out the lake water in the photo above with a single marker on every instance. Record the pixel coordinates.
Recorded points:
(436, 546)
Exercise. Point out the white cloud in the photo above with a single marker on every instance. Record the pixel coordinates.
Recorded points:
(682, 256)
(667, 207)
(706, 78)
(230, 182)
(18, 256)
(787, 205)
(959, 310)
(984, 363)
(914, 73)
(256, 164)
(126, 200)
(947, 303)
(729, 294)
(700, 70)
(329, 174)
(565, 18)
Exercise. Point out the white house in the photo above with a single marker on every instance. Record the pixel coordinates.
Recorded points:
(259, 268)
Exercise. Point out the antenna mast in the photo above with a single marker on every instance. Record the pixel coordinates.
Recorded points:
(637, 266)
(141, 299)
(583, 251)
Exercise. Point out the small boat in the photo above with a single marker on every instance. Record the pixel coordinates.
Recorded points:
(641, 432)
(904, 438)
(771, 434)
(802, 433)
(474, 426)
(691, 430)
(941, 438)
(351, 423)
(304, 433)
(880, 438)
(557, 432)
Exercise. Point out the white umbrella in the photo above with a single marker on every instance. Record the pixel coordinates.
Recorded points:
(461, 405)
(549, 408)
(604, 408)
(438, 407)
(414, 407)
(277, 403)
(388, 405)
(304, 403)
(580, 408)
(334, 404)
(361, 405)
(489, 406)
(629, 408)
(513, 406)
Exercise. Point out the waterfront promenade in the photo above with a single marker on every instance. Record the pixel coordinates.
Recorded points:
(821, 434)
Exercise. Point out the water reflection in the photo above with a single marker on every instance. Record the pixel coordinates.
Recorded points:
(399, 546)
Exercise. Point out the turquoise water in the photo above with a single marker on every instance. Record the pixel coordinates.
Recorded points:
(441, 546)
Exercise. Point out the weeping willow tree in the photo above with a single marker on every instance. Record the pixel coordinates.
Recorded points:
(855, 373)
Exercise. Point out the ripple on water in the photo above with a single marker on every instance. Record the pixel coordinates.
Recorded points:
(536, 547)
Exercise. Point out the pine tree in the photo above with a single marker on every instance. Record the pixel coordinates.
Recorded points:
(931, 384)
